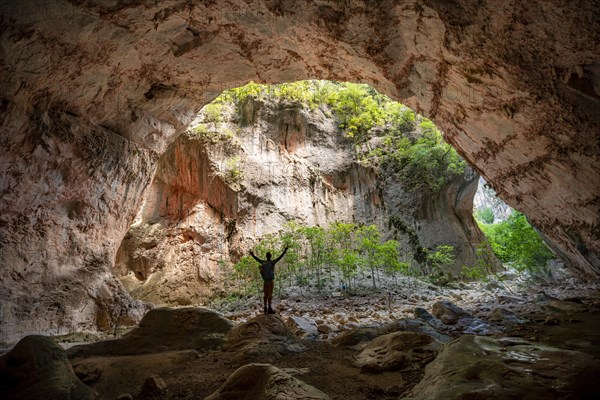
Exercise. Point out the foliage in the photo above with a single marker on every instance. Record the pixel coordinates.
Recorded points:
(485, 215)
(233, 172)
(339, 252)
(439, 262)
(412, 149)
(516, 242)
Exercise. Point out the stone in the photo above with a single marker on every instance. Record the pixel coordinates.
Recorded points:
(164, 329)
(88, 374)
(425, 316)
(124, 396)
(265, 382)
(419, 326)
(38, 369)
(506, 369)
(302, 327)
(447, 312)
(356, 336)
(264, 338)
(324, 328)
(154, 388)
(505, 316)
(397, 351)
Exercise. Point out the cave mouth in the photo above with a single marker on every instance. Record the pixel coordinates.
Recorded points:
(362, 189)
(512, 239)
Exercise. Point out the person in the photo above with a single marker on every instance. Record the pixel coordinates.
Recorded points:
(267, 271)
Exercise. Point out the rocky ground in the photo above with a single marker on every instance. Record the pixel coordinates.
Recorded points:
(501, 339)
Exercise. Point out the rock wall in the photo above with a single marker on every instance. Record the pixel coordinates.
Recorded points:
(514, 86)
(69, 192)
(293, 164)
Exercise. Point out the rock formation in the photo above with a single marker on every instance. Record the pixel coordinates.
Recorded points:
(164, 329)
(506, 368)
(265, 382)
(38, 369)
(93, 93)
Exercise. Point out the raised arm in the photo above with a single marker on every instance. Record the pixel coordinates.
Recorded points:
(256, 258)
(281, 256)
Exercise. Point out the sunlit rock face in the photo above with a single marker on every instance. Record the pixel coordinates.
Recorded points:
(515, 87)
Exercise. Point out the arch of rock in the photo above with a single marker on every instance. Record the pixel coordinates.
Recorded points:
(93, 92)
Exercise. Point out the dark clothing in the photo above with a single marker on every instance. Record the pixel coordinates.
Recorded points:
(267, 267)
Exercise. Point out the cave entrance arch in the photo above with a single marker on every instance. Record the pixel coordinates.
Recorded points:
(310, 154)
(89, 105)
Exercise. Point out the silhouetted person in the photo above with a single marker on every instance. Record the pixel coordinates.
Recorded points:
(267, 271)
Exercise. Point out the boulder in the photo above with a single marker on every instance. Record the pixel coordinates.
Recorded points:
(397, 351)
(263, 338)
(302, 327)
(507, 368)
(265, 382)
(38, 368)
(419, 326)
(164, 329)
(424, 315)
(505, 316)
(357, 336)
(448, 312)
(154, 388)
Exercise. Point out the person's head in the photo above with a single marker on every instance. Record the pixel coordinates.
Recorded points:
(268, 255)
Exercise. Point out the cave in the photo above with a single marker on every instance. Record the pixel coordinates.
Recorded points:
(94, 93)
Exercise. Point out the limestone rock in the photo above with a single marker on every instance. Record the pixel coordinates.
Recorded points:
(302, 327)
(506, 369)
(264, 338)
(38, 369)
(399, 350)
(448, 312)
(505, 316)
(265, 382)
(164, 329)
(357, 336)
(424, 315)
(419, 326)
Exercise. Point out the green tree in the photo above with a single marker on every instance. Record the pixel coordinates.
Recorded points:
(516, 242)
(485, 215)
(440, 261)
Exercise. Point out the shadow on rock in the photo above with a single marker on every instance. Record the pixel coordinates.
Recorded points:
(262, 382)
(263, 338)
(398, 351)
(507, 368)
(38, 368)
(164, 329)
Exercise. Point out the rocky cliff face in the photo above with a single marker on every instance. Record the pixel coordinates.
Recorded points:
(485, 197)
(515, 87)
(222, 186)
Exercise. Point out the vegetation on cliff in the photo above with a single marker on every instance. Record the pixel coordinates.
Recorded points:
(389, 137)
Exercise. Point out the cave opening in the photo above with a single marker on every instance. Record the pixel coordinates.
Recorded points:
(323, 167)
(94, 94)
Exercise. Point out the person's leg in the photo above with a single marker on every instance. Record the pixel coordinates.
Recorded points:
(265, 294)
(271, 285)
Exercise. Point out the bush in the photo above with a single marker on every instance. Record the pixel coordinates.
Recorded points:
(485, 215)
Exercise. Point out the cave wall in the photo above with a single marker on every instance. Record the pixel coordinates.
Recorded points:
(514, 86)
